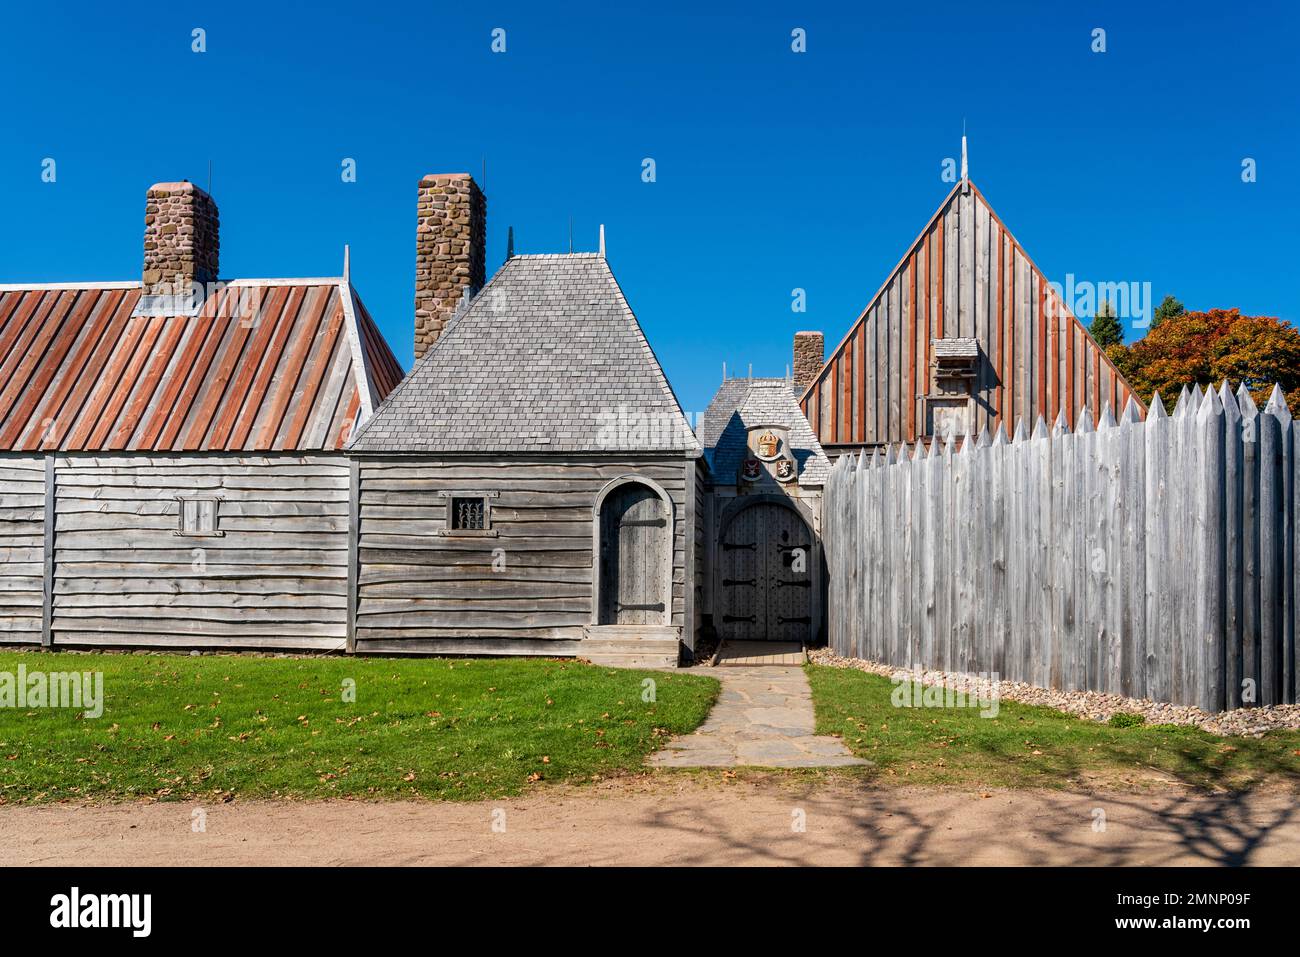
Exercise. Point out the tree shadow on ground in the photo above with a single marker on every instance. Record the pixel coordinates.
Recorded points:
(868, 825)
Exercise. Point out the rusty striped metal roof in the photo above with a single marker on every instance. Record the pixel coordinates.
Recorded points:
(263, 365)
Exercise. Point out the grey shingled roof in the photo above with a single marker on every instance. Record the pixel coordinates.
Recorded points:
(547, 358)
(743, 403)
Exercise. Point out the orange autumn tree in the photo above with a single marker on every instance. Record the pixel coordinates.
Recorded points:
(1208, 347)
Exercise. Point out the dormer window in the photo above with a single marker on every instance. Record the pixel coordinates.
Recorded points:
(954, 361)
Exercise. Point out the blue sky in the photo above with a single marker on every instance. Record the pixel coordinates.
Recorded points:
(775, 170)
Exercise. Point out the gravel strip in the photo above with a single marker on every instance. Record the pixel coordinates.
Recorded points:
(1093, 705)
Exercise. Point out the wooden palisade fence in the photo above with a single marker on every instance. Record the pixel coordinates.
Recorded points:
(1153, 559)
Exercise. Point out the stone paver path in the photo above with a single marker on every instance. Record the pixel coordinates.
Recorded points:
(763, 718)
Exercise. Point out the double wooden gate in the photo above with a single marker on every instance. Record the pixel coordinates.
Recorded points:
(766, 576)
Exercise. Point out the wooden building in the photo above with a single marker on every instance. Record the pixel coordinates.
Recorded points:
(532, 487)
(171, 465)
(965, 334)
(762, 521)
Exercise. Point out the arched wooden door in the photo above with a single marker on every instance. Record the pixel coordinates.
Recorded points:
(635, 539)
(766, 576)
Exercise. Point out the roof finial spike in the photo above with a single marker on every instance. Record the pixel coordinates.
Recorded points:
(965, 178)
(510, 243)
(602, 240)
(724, 372)
(347, 264)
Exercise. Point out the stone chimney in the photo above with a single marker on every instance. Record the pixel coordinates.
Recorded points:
(809, 355)
(450, 241)
(181, 244)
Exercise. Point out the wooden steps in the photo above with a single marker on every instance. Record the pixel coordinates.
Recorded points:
(631, 646)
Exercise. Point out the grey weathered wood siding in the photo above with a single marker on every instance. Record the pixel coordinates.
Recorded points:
(22, 550)
(276, 577)
(698, 530)
(420, 590)
(1149, 559)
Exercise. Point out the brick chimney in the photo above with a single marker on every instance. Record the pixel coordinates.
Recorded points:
(809, 354)
(181, 244)
(450, 240)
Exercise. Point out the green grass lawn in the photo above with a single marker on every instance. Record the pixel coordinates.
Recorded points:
(1028, 746)
(181, 727)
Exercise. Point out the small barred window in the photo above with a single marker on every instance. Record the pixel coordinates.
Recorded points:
(468, 514)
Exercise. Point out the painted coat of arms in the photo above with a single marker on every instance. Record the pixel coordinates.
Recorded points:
(751, 470)
(785, 470)
(768, 445)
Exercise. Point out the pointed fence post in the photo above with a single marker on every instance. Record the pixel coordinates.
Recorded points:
(1250, 610)
(1060, 512)
(1232, 542)
(1038, 584)
(899, 582)
(1209, 554)
(995, 636)
(930, 587)
(1284, 639)
(1159, 518)
(1272, 498)
(1079, 626)
(1109, 552)
(1133, 583)
(1279, 409)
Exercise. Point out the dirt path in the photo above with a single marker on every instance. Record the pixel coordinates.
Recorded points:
(678, 820)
